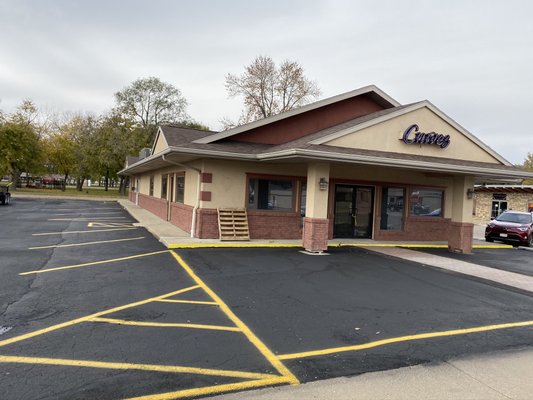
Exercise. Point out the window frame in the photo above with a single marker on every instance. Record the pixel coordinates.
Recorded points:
(412, 189)
(164, 186)
(151, 186)
(177, 178)
(295, 180)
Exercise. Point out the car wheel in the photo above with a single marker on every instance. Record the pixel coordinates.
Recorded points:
(488, 239)
(529, 243)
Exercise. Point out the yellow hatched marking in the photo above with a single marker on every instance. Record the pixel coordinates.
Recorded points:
(129, 366)
(399, 339)
(93, 263)
(267, 353)
(95, 315)
(214, 389)
(91, 231)
(208, 303)
(165, 324)
(85, 244)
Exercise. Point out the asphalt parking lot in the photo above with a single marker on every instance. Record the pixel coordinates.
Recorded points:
(92, 306)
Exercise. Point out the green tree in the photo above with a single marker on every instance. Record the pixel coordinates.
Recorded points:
(21, 150)
(269, 90)
(60, 156)
(116, 137)
(149, 102)
(528, 165)
(81, 131)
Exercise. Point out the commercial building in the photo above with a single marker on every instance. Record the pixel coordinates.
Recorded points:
(492, 200)
(357, 165)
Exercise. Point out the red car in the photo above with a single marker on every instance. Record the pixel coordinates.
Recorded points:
(511, 226)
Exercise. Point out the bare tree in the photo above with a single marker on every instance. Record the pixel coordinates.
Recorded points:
(268, 90)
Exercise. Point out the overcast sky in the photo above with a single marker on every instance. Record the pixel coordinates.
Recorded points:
(472, 59)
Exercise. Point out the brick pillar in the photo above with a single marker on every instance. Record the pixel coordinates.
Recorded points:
(460, 240)
(315, 234)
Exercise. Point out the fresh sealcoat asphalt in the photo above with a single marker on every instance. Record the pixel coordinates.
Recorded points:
(92, 306)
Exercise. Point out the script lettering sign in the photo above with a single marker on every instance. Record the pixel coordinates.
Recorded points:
(413, 135)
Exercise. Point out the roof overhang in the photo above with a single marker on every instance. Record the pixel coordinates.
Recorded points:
(174, 155)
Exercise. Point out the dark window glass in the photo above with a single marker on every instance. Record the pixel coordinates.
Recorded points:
(392, 201)
(303, 199)
(426, 203)
(266, 194)
(151, 185)
(164, 187)
(180, 189)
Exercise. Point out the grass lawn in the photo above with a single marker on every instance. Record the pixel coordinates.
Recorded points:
(71, 191)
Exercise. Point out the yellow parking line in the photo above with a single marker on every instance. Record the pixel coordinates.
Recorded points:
(93, 213)
(209, 303)
(129, 366)
(165, 324)
(214, 389)
(95, 315)
(69, 232)
(93, 263)
(231, 245)
(85, 219)
(399, 339)
(267, 353)
(84, 244)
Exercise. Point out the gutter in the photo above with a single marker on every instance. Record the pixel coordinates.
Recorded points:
(194, 210)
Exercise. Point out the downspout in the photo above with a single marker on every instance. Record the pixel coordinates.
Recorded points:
(194, 210)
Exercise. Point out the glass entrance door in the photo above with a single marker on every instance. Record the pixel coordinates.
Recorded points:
(354, 207)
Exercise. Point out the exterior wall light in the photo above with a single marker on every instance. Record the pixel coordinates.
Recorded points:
(323, 184)
(470, 193)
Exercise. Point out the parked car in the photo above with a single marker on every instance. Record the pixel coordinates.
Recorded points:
(5, 196)
(511, 226)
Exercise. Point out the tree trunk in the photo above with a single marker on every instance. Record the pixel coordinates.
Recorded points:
(15, 177)
(106, 182)
(64, 186)
(122, 186)
(79, 184)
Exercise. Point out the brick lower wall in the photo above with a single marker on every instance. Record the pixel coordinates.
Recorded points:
(262, 224)
(132, 196)
(315, 234)
(418, 228)
(181, 216)
(274, 225)
(154, 205)
(460, 240)
(207, 224)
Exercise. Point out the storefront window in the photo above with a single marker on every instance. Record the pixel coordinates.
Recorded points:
(164, 187)
(267, 194)
(151, 185)
(303, 199)
(180, 189)
(392, 201)
(426, 203)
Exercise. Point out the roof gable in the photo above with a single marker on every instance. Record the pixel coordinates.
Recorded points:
(160, 142)
(293, 124)
(386, 133)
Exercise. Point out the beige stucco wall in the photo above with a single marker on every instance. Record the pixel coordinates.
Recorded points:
(228, 188)
(385, 136)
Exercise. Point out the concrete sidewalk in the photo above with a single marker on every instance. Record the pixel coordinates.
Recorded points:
(502, 375)
(496, 376)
